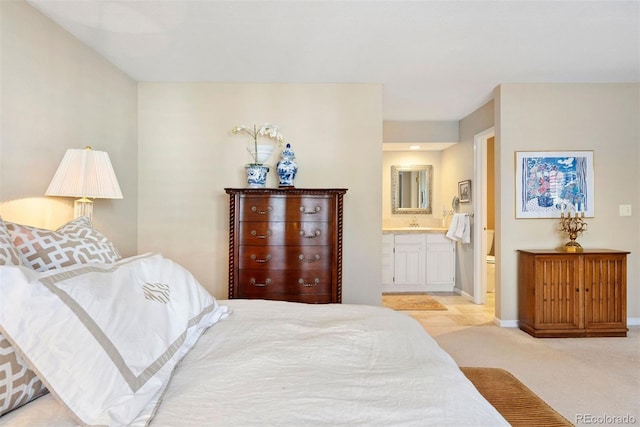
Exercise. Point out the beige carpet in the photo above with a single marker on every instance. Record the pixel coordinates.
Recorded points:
(517, 403)
(411, 302)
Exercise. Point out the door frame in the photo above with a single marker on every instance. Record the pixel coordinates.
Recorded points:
(480, 215)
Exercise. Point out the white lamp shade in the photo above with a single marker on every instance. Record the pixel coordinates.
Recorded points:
(85, 173)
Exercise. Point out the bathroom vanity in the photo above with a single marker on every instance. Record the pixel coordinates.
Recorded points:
(417, 260)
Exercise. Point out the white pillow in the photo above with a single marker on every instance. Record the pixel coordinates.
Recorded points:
(112, 333)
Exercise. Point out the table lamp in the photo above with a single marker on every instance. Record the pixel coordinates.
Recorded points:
(85, 174)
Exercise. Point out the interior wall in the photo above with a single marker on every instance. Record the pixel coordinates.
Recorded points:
(410, 158)
(56, 93)
(604, 118)
(188, 155)
(420, 131)
(458, 165)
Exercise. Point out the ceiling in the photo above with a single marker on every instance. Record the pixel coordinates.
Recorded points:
(436, 60)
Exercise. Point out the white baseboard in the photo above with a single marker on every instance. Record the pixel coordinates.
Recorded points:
(505, 323)
(463, 294)
(633, 321)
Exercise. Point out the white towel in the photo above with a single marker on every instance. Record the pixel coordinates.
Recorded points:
(451, 233)
(460, 228)
(466, 233)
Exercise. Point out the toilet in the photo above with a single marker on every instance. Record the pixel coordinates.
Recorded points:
(491, 262)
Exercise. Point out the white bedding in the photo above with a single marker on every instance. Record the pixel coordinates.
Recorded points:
(288, 364)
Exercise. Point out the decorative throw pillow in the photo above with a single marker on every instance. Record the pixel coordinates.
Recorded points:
(8, 253)
(18, 383)
(76, 242)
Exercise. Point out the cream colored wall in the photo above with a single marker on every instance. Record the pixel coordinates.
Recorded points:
(57, 93)
(458, 165)
(604, 118)
(409, 158)
(187, 156)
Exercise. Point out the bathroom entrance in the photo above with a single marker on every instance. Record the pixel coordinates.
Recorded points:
(484, 208)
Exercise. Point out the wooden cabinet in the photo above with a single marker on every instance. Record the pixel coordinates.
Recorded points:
(286, 244)
(417, 262)
(579, 294)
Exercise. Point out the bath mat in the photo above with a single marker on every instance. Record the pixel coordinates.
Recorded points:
(411, 302)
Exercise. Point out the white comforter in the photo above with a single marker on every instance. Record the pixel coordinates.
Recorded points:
(287, 364)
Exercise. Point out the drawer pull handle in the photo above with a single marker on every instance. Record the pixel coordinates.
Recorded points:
(255, 234)
(309, 285)
(309, 236)
(255, 210)
(260, 285)
(315, 258)
(313, 212)
(260, 260)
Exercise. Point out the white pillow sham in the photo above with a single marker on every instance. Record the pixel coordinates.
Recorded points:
(112, 333)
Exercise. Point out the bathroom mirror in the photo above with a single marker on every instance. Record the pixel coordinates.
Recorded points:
(411, 189)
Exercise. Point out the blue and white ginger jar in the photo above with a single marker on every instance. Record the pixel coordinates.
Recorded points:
(287, 167)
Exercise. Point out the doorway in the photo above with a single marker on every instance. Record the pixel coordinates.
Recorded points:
(484, 213)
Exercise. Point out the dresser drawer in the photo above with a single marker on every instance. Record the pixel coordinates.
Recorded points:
(257, 283)
(285, 257)
(280, 208)
(285, 233)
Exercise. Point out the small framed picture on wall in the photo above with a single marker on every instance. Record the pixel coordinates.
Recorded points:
(464, 191)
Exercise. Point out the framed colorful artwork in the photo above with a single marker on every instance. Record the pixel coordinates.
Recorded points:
(464, 191)
(549, 183)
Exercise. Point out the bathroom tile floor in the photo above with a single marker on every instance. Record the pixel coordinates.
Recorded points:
(460, 311)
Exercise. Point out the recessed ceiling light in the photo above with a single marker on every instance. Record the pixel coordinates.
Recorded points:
(414, 147)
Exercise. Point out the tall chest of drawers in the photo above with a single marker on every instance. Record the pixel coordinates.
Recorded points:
(286, 244)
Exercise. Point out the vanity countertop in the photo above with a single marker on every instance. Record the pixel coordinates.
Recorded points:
(413, 230)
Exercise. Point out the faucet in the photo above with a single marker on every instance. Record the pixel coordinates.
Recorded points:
(414, 223)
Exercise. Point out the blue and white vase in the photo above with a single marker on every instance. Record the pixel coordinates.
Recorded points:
(286, 167)
(256, 175)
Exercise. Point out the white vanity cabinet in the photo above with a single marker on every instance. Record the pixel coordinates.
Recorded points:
(417, 262)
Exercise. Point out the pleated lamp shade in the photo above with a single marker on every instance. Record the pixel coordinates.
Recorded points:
(86, 174)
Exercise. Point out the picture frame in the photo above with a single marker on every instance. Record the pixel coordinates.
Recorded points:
(551, 183)
(464, 191)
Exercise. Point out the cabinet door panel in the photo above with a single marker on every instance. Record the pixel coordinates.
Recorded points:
(558, 293)
(409, 260)
(440, 264)
(605, 289)
(387, 259)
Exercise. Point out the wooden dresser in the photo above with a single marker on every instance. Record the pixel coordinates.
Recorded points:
(286, 244)
(576, 294)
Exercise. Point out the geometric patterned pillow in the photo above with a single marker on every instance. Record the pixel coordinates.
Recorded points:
(8, 253)
(76, 242)
(18, 384)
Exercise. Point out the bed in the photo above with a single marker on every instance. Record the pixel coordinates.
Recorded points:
(139, 342)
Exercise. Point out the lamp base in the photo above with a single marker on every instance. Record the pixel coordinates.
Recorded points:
(83, 207)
